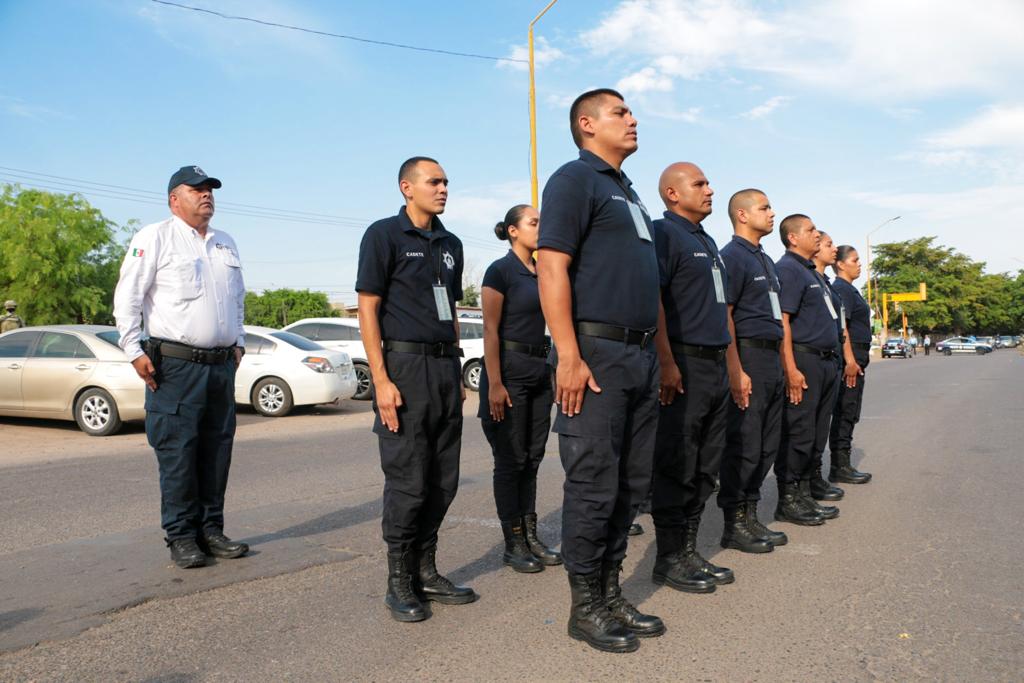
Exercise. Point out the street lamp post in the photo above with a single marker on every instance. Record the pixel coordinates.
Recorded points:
(871, 302)
(533, 114)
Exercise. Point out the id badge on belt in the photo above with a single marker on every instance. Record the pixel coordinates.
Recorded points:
(638, 222)
(444, 307)
(716, 273)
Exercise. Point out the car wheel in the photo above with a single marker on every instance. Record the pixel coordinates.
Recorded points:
(980, 352)
(947, 352)
(364, 382)
(272, 397)
(471, 375)
(96, 413)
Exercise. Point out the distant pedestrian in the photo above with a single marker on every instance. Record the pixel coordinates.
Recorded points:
(927, 345)
(515, 389)
(179, 308)
(10, 320)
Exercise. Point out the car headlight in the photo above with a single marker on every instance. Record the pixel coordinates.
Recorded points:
(318, 364)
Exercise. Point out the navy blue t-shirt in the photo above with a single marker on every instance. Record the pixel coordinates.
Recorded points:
(401, 263)
(751, 277)
(686, 258)
(858, 316)
(521, 317)
(803, 297)
(614, 273)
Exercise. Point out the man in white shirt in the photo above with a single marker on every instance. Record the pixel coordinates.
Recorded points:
(179, 307)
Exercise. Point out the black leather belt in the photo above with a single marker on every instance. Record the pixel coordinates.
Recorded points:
(540, 351)
(439, 349)
(193, 354)
(861, 346)
(771, 344)
(705, 352)
(813, 350)
(616, 333)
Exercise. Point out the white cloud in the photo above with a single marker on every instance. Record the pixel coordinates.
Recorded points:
(645, 80)
(998, 126)
(689, 115)
(865, 49)
(543, 55)
(764, 109)
(19, 107)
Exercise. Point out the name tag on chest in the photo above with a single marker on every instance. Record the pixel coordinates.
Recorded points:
(444, 307)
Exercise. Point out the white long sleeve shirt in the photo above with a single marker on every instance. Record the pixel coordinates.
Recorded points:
(179, 286)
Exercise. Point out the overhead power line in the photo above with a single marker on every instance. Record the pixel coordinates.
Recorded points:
(340, 35)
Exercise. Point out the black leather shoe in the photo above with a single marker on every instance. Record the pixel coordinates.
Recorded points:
(822, 490)
(673, 569)
(843, 471)
(643, 625)
(720, 575)
(221, 546)
(400, 597)
(590, 620)
(635, 529)
(186, 553)
(736, 533)
(791, 508)
(517, 553)
(776, 538)
(432, 586)
(547, 556)
(826, 511)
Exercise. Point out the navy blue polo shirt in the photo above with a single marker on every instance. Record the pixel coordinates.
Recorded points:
(686, 257)
(521, 317)
(401, 263)
(858, 315)
(614, 273)
(751, 277)
(803, 297)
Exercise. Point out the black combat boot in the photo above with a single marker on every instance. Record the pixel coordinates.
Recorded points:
(791, 507)
(841, 470)
(432, 586)
(822, 490)
(643, 625)
(517, 553)
(400, 598)
(720, 575)
(776, 538)
(673, 569)
(590, 620)
(826, 511)
(736, 533)
(547, 556)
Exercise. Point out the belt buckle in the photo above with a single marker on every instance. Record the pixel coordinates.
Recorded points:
(438, 349)
(196, 356)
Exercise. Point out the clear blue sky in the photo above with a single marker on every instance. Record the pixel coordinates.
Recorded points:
(851, 112)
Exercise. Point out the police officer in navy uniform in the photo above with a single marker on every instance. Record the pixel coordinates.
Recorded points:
(810, 368)
(848, 404)
(515, 389)
(598, 277)
(410, 276)
(754, 422)
(694, 387)
(179, 307)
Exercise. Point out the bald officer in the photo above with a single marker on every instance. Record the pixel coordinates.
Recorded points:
(179, 308)
(598, 278)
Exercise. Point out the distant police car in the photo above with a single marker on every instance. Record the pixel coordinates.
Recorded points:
(897, 347)
(962, 345)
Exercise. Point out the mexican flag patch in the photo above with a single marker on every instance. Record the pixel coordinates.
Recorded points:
(137, 252)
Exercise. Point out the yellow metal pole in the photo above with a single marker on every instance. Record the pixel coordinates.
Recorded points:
(534, 197)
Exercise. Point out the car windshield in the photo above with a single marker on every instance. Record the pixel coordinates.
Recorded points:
(894, 341)
(298, 342)
(111, 337)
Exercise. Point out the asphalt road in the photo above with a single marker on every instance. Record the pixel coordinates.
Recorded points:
(919, 579)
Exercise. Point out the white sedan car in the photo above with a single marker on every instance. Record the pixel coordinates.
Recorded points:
(281, 370)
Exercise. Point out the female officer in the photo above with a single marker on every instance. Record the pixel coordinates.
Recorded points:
(858, 329)
(515, 389)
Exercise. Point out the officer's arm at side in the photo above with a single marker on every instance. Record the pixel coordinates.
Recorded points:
(138, 271)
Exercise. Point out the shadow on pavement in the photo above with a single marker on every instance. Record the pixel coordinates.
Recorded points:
(9, 620)
(332, 521)
(549, 528)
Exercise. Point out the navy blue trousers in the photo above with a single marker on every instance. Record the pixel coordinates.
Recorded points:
(190, 423)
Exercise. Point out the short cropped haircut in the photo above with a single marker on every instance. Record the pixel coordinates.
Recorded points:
(585, 103)
(407, 167)
(790, 224)
(742, 200)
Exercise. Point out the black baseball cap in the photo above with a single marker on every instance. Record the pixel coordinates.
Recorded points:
(193, 176)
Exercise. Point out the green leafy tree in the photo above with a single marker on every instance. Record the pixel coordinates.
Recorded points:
(279, 307)
(59, 257)
(470, 296)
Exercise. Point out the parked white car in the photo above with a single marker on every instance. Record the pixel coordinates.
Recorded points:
(281, 370)
(343, 334)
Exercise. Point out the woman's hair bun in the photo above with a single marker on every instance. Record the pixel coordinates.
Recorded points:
(501, 230)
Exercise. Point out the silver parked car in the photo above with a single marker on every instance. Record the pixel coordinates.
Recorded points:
(69, 372)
